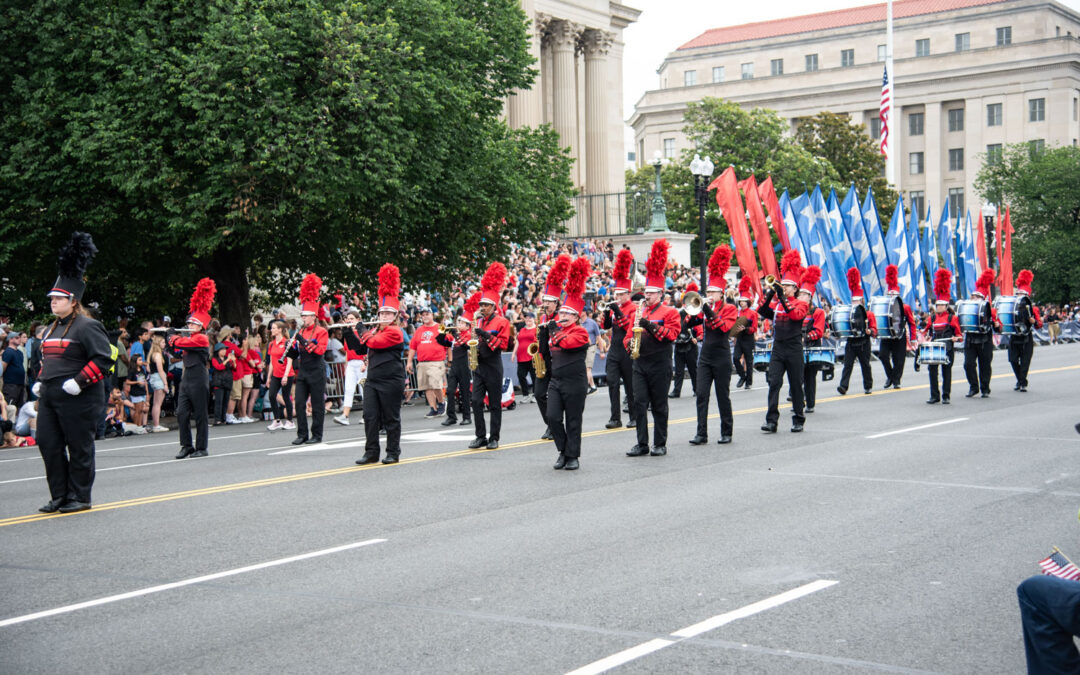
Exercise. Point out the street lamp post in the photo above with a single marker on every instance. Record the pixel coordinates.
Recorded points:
(702, 170)
(988, 213)
(658, 223)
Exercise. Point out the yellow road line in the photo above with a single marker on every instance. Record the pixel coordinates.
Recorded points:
(155, 499)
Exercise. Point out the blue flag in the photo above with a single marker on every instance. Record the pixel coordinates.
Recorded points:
(946, 245)
(815, 249)
(833, 260)
(930, 252)
(851, 214)
(874, 236)
(896, 244)
(792, 226)
(841, 244)
(971, 263)
(918, 282)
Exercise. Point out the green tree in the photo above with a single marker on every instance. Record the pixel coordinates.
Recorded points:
(256, 140)
(1044, 207)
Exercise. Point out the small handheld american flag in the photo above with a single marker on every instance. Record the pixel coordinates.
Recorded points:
(1057, 565)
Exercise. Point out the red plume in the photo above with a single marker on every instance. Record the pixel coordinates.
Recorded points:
(579, 272)
(494, 278)
(556, 276)
(719, 262)
(892, 276)
(203, 297)
(985, 281)
(811, 276)
(1024, 278)
(471, 305)
(745, 286)
(623, 262)
(389, 281)
(658, 256)
(854, 281)
(309, 288)
(790, 262)
(942, 283)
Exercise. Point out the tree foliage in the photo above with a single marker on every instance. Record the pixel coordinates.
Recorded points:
(1044, 207)
(257, 140)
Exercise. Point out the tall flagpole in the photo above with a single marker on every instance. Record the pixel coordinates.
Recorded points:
(894, 117)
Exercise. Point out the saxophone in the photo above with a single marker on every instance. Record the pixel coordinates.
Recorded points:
(635, 341)
(474, 353)
(539, 366)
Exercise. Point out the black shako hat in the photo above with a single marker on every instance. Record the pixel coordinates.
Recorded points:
(75, 257)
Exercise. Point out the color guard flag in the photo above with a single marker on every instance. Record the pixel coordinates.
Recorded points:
(1057, 565)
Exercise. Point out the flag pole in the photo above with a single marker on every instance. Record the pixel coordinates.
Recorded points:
(894, 119)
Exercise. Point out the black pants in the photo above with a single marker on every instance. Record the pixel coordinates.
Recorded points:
(652, 377)
(893, 355)
(524, 373)
(744, 349)
(1020, 358)
(685, 361)
(809, 384)
(487, 379)
(382, 409)
(977, 358)
(946, 378)
(458, 378)
(221, 403)
(859, 348)
(280, 411)
(541, 396)
(566, 401)
(620, 371)
(313, 385)
(194, 392)
(714, 371)
(786, 359)
(66, 426)
(15, 394)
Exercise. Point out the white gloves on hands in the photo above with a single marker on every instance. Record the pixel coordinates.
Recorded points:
(72, 387)
(36, 389)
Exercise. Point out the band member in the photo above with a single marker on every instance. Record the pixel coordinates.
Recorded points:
(659, 326)
(553, 287)
(458, 376)
(714, 365)
(942, 327)
(618, 317)
(1022, 342)
(979, 343)
(892, 348)
(863, 327)
(385, 385)
(745, 341)
(813, 330)
(569, 343)
(787, 313)
(492, 332)
(70, 388)
(195, 383)
(306, 351)
(686, 350)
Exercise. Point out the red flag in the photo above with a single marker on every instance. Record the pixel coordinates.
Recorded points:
(768, 195)
(731, 204)
(980, 247)
(997, 238)
(761, 228)
(1006, 281)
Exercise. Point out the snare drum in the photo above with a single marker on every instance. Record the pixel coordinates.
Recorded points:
(762, 356)
(819, 356)
(1007, 306)
(934, 354)
(969, 312)
(840, 320)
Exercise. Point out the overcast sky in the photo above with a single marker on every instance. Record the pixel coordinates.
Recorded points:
(666, 24)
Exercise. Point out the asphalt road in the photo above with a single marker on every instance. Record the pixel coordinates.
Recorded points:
(822, 552)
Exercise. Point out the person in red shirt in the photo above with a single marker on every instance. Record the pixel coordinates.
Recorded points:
(493, 333)
(278, 369)
(786, 313)
(355, 371)
(525, 336)
(743, 353)
(569, 344)
(863, 328)
(813, 332)
(308, 347)
(942, 327)
(251, 351)
(431, 366)
(717, 317)
(222, 364)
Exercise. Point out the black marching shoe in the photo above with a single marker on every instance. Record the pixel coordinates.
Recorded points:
(51, 506)
(842, 390)
(699, 440)
(313, 440)
(547, 435)
(796, 427)
(1017, 387)
(465, 422)
(985, 394)
(944, 400)
(673, 395)
(1023, 388)
(658, 451)
(741, 383)
(932, 400)
(572, 464)
(769, 427)
(724, 440)
(390, 459)
(972, 393)
(74, 507)
(638, 451)
(613, 423)
(749, 385)
(200, 453)
(299, 440)
(631, 423)
(478, 442)
(560, 462)
(868, 391)
(185, 452)
(809, 409)
(367, 459)
(493, 444)
(895, 385)
(888, 384)
(448, 422)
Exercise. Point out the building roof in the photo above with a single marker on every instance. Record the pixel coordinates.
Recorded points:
(825, 20)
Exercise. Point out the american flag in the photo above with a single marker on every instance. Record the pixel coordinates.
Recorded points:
(886, 104)
(1057, 565)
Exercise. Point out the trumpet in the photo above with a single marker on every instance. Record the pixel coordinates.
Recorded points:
(692, 303)
(539, 366)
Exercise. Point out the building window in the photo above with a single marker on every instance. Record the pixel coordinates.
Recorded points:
(922, 47)
(956, 159)
(881, 53)
(1004, 36)
(915, 163)
(718, 74)
(918, 203)
(956, 119)
(689, 78)
(1037, 110)
(963, 42)
(847, 58)
(748, 71)
(875, 128)
(915, 124)
(811, 62)
(669, 148)
(956, 202)
(776, 66)
(1036, 147)
(1076, 104)
(993, 154)
(993, 115)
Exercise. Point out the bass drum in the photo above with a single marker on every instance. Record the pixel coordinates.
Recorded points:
(889, 315)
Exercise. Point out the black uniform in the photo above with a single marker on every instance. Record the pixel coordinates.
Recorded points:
(787, 354)
(487, 379)
(541, 384)
(569, 386)
(714, 366)
(75, 348)
(458, 377)
(307, 355)
(892, 347)
(979, 352)
(194, 392)
(858, 347)
(1022, 343)
(618, 367)
(813, 332)
(943, 327)
(686, 357)
(652, 376)
(383, 389)
(743, 353)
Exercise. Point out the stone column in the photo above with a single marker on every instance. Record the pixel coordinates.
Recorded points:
(596, 45)
(525, 103)
(563, 42)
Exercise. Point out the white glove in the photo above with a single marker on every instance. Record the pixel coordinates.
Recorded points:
(72, 387)
(36, 389)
